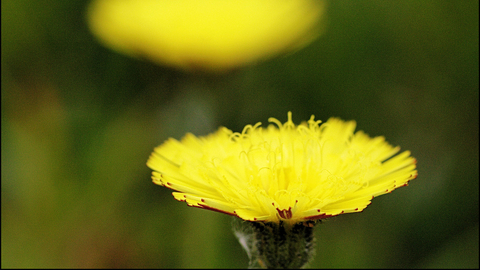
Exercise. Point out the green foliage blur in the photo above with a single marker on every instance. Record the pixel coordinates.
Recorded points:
(80, 121)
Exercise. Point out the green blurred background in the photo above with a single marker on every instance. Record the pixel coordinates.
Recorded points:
(79, 122)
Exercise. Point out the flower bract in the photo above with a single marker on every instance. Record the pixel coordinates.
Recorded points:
(284, 172)
(212, 35)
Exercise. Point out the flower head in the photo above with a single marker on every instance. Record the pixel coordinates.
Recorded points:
(205, 34)
(282, 172)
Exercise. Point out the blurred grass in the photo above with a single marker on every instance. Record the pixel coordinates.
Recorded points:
(79, 122)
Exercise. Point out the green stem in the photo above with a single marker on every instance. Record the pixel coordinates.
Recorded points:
(276, 245)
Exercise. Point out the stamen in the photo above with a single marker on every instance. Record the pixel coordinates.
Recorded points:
(285, 214)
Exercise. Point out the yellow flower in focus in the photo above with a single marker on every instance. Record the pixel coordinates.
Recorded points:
(283, 172)
(210, 35)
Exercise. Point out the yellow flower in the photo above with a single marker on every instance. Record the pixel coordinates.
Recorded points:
(284, 172)
(205, 34)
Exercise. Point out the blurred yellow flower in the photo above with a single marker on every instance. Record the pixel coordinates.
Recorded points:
(284, 172)
(210, 35)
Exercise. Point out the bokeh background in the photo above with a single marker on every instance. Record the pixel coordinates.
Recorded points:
(79, 122)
